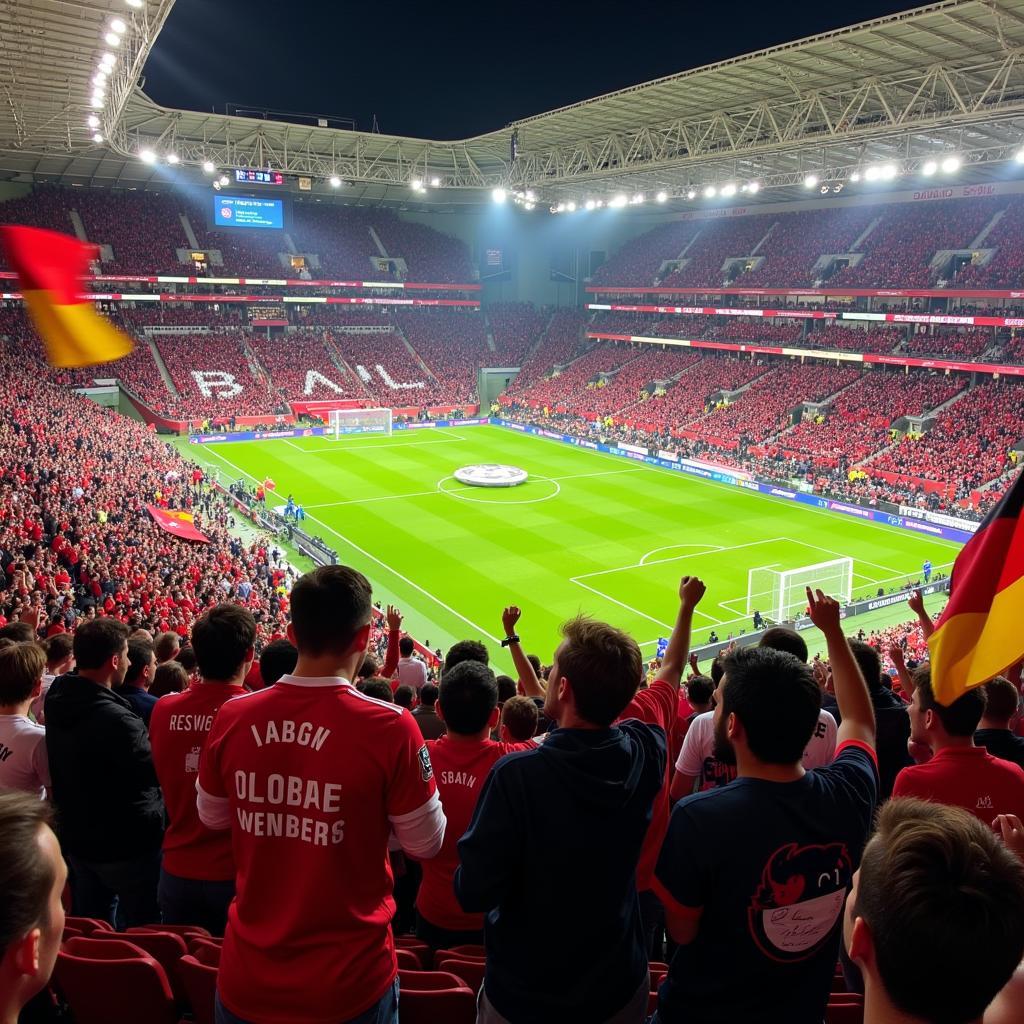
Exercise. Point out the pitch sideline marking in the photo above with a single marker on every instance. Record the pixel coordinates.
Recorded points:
(405, 579)
(622, 604)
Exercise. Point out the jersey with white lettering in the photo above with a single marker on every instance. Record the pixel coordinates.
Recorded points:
(314, 774)
(178, 729)
(461, 767)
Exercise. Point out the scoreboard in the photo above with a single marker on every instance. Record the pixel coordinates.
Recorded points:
(243, 176)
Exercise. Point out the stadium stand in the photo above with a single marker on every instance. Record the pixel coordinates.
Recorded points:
(300, 366)
(638, 261)
(516, 327)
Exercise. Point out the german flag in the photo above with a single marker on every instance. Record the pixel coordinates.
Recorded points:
(50, 268)
(980, 633)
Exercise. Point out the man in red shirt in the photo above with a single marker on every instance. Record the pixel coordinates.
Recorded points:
(468, 704)
(197, 877)
(311, 777)
(959, 773)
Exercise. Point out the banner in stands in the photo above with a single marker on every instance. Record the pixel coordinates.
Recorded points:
(736, 478)
(273, 435)
(940, 518)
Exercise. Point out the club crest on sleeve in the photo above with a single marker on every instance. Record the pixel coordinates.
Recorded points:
(426, 768)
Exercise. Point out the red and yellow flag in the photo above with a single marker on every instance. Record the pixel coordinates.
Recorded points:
(177, 522)
(981, 632)
(50, 268)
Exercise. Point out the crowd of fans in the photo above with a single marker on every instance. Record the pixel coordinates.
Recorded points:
(640, 259)
(516, 327)
(289, 361)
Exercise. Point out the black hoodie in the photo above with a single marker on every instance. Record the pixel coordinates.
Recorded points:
(108, 801)
(551, 854)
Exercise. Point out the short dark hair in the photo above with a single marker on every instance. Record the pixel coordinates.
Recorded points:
(279, 658)
(139, 653)
(507, 688)
(943, 898)
(961, 717)
(166, 646)
(468, 695)
(369, 667)
(869, 661)
(466, 650)
(782, 638)
(379, 688)
(169, 677)
(21, 668)
(535, 662)
(97, 641)
(186, 657)
(699, 689)
(404, 696)
(717, 669)
(603, 666)
(26, 879)
(775, 697)
(19, 632)
(1001, 699)
(520, 716)
(58, 647)
(406, 647)
(329, 606)
(222, 637)
(428, 694)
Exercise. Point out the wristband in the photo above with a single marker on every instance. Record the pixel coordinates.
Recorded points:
(513, 639)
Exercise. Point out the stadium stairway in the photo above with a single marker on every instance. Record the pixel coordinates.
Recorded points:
(165, 374)
(377, 242)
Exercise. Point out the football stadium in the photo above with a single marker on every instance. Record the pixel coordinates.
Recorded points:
(569, 572)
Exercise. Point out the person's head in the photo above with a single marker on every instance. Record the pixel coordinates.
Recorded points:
(32, 877)
(140, 634)
(536, 665)
(19, 632)
(519, 717)
(428, 694)
(466, 650)
(595, 673)
(278, 659)
(699, 691)
(1001, 703)
(869, 661)
(141, 663)
(768, 706)
(717, 669)
(166, 646)
(405, 696)
(186, 658)
(406, 647)
(379, 689)
(331, 609)
(170, 677)
(782, 638)
(369, 668)
(507, 688)
(101, 650)
(60, 655)
(934, 724)
(224, 640)
(935, 919)
(468, 699)
(21, 673)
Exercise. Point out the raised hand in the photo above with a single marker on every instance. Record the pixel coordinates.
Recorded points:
(1012, 832)
(394, 618)
(509, 618)
(916, 602)
(824, 610)
(691, 590)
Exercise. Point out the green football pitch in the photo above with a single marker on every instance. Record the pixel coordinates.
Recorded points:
(587, 532)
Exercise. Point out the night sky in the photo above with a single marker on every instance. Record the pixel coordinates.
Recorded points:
(453, 69)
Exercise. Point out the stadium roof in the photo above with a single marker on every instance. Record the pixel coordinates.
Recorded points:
(939, 80)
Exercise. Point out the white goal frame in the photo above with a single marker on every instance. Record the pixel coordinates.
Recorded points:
(779, 594)
(346, 422)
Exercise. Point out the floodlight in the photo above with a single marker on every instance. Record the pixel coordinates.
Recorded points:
(710, 192)
(147, 156)
(92, 121)
(619, 200)
(97, 137)
(97, 102)
(118, 26)
(729, 190)
(855, 177)
(499, 195)
(134, 3)
(112, 39)
(570, 207)
(334, 181)
(172, 158)
(692, 194)
(1019, 156)
(754, 186)
(589, 204)
(208, 167)
(662, 197)
(928, 168)
(951, 164)
(223, 179)
(810, 181)
(435, 182)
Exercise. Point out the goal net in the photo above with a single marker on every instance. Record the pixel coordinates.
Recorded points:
(781, 594)
(344, 422)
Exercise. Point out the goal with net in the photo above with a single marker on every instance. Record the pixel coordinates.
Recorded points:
(780, 594)
(345, 422)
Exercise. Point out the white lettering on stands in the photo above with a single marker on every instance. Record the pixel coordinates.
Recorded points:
(391, 383)
(314, 377)
(207, 380)
(286, 732)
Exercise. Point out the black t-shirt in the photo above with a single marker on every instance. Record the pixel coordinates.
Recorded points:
(1001, 743)
(769, 864)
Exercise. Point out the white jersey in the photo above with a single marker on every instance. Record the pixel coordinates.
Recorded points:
(23, 762)
(697, 756)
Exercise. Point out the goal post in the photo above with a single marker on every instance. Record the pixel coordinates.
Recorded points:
(780, 594)
(345, 422)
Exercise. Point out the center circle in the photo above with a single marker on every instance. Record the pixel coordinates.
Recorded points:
(499, 498)
(491, 474)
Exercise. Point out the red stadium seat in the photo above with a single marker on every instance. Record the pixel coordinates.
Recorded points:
(114, 991)
(200, 983)
(427, 981)
(448, 1005)
(845, 1012)
(178, 929)
(206, 951)
(88, 925)
(470, 971)
(164, 947)
(408, 960)
(418, 946)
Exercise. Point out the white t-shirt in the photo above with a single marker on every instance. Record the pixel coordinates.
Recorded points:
(697, 756)
(23, 763)
(411, 672)
(37, 703)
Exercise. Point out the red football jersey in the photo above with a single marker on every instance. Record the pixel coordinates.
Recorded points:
(178, 729)
(312, 771)
(967, 777)
(461, 767)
